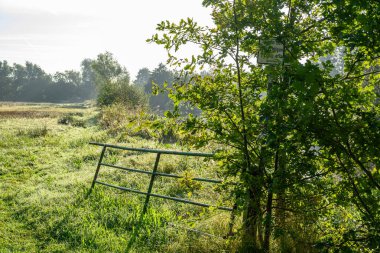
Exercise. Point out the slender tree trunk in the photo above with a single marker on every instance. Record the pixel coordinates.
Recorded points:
(268, 221)
(268, 218)
(252, 234)
(280, 213)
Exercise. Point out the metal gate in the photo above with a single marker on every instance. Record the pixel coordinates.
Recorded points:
(153, 174)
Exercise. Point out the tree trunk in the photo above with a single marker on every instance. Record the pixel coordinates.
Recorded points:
(268, 218)
(252, 215)
(280, 213)
(251, 242)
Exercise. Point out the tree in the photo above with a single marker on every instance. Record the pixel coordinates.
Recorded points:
(88, 89)
(113, 83)
(298, 139)
(65, 87)
(160, 78)
(142, 77)
(107, 71)
(31, 82)
(5, 81)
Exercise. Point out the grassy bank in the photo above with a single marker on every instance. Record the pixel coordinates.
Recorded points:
(46, 168)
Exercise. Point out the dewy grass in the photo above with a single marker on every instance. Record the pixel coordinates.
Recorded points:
(46, 170)
(34, 132)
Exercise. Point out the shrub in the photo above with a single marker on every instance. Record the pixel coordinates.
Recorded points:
(131, 97)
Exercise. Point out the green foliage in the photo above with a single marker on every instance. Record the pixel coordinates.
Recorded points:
(301, 138)
(132, 97)
(187, 182)
(124, 123)
(114, 118)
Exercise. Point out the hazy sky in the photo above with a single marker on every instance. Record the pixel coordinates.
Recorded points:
(58, 34)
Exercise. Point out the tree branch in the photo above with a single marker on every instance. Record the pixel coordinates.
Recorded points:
(356, 190)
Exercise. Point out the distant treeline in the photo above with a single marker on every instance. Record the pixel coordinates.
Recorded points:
(102, 78)
(30, 83)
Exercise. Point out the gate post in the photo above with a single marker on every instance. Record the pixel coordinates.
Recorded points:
(98, 167)
(151, 183)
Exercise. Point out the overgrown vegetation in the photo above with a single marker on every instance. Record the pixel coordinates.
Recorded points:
(138, 123)
(46, 169)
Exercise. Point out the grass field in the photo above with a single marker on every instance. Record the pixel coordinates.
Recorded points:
(46, 169)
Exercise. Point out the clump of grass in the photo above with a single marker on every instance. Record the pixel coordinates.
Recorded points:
(183, 187)
(35, 132)
(113, 118)
(74, 119)
(169, 168)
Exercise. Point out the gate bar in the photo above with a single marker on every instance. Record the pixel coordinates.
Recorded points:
(166, 197)
(162, 174)
(168, 152)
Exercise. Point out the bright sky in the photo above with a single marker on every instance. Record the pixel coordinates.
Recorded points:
(58, 34)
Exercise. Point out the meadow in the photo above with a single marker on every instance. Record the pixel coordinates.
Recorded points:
(46, 170)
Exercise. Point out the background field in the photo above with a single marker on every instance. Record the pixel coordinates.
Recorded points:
(46, 169)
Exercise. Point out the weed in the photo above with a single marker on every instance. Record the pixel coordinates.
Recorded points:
(188, 183)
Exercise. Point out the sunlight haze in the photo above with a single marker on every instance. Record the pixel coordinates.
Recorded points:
(58, 35)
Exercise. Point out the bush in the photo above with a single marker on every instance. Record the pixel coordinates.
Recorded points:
(108, 94)
(116, 119)
(131, 97)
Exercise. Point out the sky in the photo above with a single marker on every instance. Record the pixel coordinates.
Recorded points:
(58, 34)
